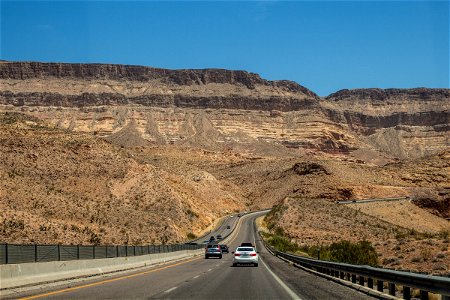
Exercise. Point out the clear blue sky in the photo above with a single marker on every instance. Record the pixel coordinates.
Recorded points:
(323, 45)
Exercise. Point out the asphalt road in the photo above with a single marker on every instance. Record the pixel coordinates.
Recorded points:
(201, 278)
(222, 229)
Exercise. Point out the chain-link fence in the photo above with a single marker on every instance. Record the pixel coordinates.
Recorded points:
(15, 254)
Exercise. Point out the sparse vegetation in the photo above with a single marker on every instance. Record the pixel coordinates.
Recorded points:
(191, 236)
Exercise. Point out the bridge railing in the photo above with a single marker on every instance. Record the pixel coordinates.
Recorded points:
(16, 253)
(372, 277)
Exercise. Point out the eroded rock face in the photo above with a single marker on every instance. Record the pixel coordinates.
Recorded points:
(404, 123)
(105, 84)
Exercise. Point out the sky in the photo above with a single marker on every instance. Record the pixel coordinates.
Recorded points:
(323, 45)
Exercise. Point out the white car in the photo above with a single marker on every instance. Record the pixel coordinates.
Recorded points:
(245, 255)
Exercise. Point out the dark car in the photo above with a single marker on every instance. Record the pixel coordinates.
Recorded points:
(224, 248)
(213, 250)
(219, 237)
(212, 238)
(228, 226)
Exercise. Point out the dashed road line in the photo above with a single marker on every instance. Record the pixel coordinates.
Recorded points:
(169, 290)
(196, 276)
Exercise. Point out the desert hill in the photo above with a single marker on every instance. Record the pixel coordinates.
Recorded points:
(65, 187)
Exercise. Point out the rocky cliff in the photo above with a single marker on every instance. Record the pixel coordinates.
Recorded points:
(106, 84)
(400, 122)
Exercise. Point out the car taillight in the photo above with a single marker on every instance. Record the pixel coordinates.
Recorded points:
(237, 254)
(253, 254)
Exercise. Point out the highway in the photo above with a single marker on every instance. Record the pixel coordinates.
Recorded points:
(199, 278)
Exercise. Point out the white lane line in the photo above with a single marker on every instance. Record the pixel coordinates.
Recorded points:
(209, 270)
(283, 285)
(169, 290)
(291, 293)
(196, 276)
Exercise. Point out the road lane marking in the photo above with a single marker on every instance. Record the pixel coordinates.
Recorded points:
(209, 270)
(105, 281)
(291, 293)
(196, 276)
(169, 290)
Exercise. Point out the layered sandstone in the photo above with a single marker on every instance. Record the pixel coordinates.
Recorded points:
(243, 108)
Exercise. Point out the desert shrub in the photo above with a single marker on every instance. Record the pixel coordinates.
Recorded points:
(95, 239)
(444, 234)
(191, 214)
(360, 253)
(279, 231)
(282, 244)
(191, 236)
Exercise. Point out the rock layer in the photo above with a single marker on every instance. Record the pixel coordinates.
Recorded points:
(399, 122)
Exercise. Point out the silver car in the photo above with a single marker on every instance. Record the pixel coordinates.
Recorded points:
(245, 255)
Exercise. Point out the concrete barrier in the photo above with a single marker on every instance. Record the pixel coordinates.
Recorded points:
(17, 275)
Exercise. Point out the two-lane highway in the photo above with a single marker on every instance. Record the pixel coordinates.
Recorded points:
(200, 278)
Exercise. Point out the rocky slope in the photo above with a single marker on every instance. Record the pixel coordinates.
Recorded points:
(62, 187)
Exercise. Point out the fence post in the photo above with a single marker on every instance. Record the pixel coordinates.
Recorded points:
(78, 252)
(370, 283)
(406, 293)
(391, 288)
(361, 280)
(423, 295)
(59, 252)
(35, 253)
(380, 286)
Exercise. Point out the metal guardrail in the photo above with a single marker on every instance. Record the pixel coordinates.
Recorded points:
(15, 254)
(362, 275)
(19, 253)
(373, 200)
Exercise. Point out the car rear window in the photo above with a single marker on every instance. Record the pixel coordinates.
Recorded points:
(245, 249)
(213, 246)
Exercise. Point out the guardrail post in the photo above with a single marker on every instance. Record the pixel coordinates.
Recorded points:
(35, 253)
(342, 275)
(78, 252)
(353, 278)
(380, 286)
(59, 252)
(370, 283)
(348, 276)
(361, 280)
(423, 295)
(391, 288)
(407, 293)
(6, 253)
